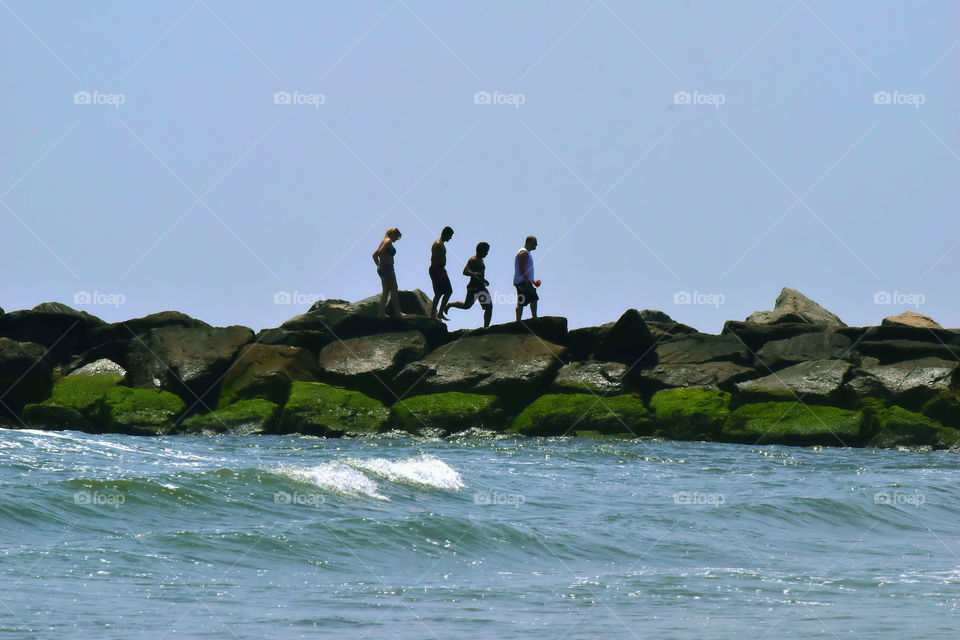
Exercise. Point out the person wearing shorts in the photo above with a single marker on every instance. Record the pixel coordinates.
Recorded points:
(523, 278)
(442, 288)
(477, 286)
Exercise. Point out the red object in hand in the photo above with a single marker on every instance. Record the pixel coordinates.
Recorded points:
(536, 283)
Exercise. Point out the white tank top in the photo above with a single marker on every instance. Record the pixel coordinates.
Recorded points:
(517, 276)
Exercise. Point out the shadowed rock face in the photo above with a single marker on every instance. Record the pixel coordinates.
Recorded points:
(628, 341)
(778, 354)
(706, 375)
(266, 371)
(25, 374)
(816, 382)
(700, 348)
(370, 363)
(792, 306)
(62, 330)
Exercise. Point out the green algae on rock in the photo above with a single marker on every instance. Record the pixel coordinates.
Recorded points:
(316, 408)
(794, 424)
(561, 414)
(452, 412)
(898, 427)
(141, 411)
(74, 402)
(243, 417)
(688, 414)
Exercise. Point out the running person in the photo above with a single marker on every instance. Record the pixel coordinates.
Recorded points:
(383, 258)
(523, 278)
(477, 287)
(438, 273)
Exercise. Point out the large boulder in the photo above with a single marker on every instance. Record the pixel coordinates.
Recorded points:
(817, 382)
(140, 411)
(25, 375)
(663, 326)
(823, 345)
(909, 384)
(511, 367)
(702, 347)
(583, 342)
(369, 363)
(190, 362)
(794, 423)
(550, 328)
(754, 335)
(62, 329)
(888, 351)
(315, 408)
(309, 339)
(707, 375)
(628, 341)
(127, 329)
(98, 367)
(568, 413)
(74, 403)
(338, 316)
(944, 408)
(688, 414)
(244, 417)
(792, 306)
(448, 413)
(911, 319)
(601, 378)
(897, 427)
(266, 371)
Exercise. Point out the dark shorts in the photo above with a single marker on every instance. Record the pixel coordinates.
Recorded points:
(441, 282)
(526, 293)
(479, 294)
(386, 271)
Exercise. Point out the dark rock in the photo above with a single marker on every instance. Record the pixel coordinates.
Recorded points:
(909, 384)
(794, 307)
(628, 341)
(583, 342)
(888, 351)
(369, 364)
(63, 330)
(592, 376)
(511, 367)
(911, 319)
(944, 408)
(707, 375)
(188, 362)
(754, 336)
(703, 347)
(328, 315)
(895, 332)
(654, 315)
(824, 345)
(267, 371)
(311, 340)
(125, 330)
(816, 382)
(550, 328)
(25, 375)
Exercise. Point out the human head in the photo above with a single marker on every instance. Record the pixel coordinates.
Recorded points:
(394, 234)
(482, 249)
(446, 234)
(531, 243)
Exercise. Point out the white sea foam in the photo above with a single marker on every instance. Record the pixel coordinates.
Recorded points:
(424, 470)
(336, 477)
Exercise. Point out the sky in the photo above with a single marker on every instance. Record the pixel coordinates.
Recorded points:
(238, 160)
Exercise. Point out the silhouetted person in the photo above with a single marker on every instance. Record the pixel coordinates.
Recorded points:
(477, 287)
(383, 258)
(438, 273)
(523, 278)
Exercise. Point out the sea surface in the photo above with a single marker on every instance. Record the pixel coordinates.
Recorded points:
(477, 536)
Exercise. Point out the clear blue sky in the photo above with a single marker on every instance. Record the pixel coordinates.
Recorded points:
(201, 193)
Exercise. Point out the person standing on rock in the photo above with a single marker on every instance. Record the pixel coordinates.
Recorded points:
(477, 287)
(523, 278)
(383, 258)
(438, 273)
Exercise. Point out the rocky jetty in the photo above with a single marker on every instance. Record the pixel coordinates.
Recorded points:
(794, 375)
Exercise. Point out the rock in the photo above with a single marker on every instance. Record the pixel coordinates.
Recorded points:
(511, 367)
(369, 364)
(563, 414)
(450, 412)
(75, 402)
(794, 424)
(244, 417)
(700, 348)
(584, 342)
(817, 381)
(898, 427)
(911, 319)
(944, 408)
(600, 378)
(889, 351)
(708, 375)
(663, 326)
(140, 411)
(100, 367)
(690, 414)
(315, 408)
(909, 384)
(794, 307)
(25, 375)
(824, 345)
(266, 371)
(190, 362)
(754, 336)
(333, 315)
(550, 328)
(312, 341)
(63, 330)
(128, 329)
(628, 341)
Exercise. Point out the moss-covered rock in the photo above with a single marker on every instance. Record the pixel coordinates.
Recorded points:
(944, 408)
(243, 417)
(794, 424)
(687, 414)
(317, 408)
(897, 427)
(562, 414)
(74, 403)
(140, 411)
(451, 412)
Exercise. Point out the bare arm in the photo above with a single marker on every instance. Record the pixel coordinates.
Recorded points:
(376, 254)
(524, 264)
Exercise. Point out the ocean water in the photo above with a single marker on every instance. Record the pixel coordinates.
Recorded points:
(109, 536)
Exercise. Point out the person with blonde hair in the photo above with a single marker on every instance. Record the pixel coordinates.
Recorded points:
(383, 258)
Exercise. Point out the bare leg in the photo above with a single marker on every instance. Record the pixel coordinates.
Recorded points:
(381, 308)
(487, 314)
(433, 307)
(533, 308)
(395, 298)
(443, 306)
(519, 312)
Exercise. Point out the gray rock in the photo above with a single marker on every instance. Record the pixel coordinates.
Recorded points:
(911, 319)
(824, 345)
(266, 371)
(328, 315)
(311, 340)
(100, 366)
(707, 375)
(700, 348)
(369, 364)
(754, 335)
(792, 306)
(814, 382)
(908, 384)
(602, 378)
